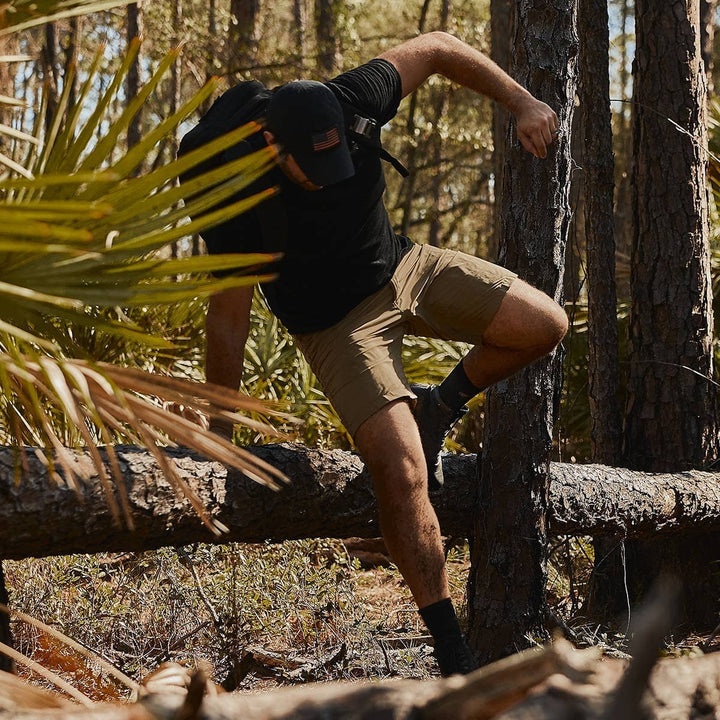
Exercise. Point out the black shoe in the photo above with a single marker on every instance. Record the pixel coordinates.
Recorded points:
(455, 657)
(435, 420)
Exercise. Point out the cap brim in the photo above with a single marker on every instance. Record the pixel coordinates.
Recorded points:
(327, 167)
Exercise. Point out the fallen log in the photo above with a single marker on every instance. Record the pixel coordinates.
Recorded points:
(330, 496)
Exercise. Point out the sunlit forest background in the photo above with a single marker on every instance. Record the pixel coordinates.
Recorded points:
(141, 609)
(444, 134)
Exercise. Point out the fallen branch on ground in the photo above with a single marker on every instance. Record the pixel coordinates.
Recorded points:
(539, 684)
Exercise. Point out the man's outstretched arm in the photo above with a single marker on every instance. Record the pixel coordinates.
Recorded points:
(227, 326)
(442, 53)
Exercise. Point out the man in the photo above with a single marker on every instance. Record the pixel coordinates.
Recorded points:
(348, 289)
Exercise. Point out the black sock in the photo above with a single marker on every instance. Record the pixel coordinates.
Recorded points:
(457, 389)
(441, 620)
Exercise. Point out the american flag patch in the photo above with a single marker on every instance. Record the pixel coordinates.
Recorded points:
(326, 140)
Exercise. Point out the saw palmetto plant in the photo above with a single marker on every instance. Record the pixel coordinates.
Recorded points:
(83, 255)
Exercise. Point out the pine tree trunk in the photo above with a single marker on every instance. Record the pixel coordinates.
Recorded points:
(603, 372)
(672, 409)
(327, 33)
(507, 580)
(134, 29)
(707, 37)
(243, 36)
(440, 108)
(603, 364)
(672, 403)
(300, 16)
(500, 34)
(412, 154)
(49, 59)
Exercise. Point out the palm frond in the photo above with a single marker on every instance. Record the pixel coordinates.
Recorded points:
(17, 15)
(102, 396)
(83, 239)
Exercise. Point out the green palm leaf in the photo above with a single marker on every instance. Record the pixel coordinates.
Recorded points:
(82, 241)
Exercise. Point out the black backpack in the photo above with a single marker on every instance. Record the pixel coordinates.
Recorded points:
(247, 101)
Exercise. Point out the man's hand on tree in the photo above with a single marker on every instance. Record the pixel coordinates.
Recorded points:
(537, 125)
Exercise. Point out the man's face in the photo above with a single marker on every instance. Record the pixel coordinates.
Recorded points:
(291, 168)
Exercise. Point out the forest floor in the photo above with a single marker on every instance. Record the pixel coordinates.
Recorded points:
(259, 616)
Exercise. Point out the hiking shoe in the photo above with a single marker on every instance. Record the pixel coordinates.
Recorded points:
(435, 420)
(455, 657)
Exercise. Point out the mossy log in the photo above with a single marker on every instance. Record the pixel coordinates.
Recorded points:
(330, 495)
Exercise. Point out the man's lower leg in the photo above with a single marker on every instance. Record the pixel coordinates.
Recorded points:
(437, 409)
(456, 390)
(451, 649)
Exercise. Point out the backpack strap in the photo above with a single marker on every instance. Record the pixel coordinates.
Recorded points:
(364, 132)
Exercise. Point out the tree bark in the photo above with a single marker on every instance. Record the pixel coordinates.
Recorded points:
(49, 59)
(603, 362)
(707, 37)
(506, 589)
(672, 408)
(327, 33)
(243, 36)
(671, 420)
(500, 35)
(134, 29)
(330, 496)
(412, 154)
(300, 16)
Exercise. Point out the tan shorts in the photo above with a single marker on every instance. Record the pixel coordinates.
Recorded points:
(434, 293)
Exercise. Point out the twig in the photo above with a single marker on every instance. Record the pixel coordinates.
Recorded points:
(46, 674)
(186, 560)
(5, 633)
(713, 635)
(85, 652)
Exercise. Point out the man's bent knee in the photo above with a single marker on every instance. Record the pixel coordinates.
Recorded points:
(557, 325)
(389, 444)
(527, 319)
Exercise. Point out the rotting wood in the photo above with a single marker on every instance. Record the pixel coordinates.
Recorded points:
(330, 496)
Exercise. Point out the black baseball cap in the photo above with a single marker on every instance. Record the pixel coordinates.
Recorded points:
(307, 120)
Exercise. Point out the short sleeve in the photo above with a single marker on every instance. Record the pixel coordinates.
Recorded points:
(375, 88)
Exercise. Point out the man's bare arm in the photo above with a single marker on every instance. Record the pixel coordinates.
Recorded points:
(442, 53)
(227, 325)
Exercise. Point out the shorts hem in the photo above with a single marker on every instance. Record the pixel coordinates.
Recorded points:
(370, 409)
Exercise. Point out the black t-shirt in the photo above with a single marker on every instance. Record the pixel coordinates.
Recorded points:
(339, 244)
